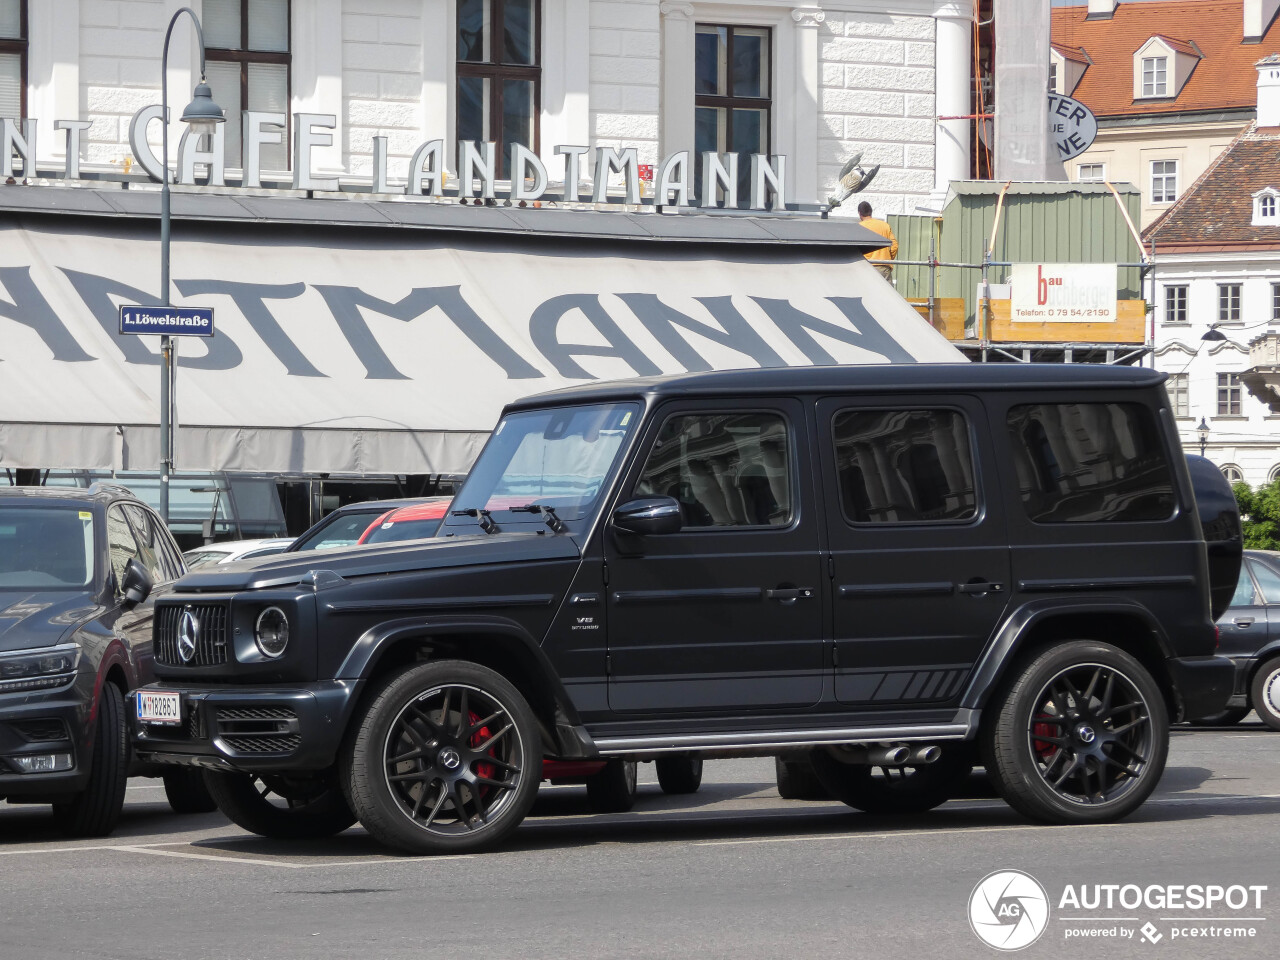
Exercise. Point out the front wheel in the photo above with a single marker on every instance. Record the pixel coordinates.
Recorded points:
(446, 758)
(186, 792)
(1080, 735)
(681, 774)
(95, 811)
(279, 807)
(1265, 693)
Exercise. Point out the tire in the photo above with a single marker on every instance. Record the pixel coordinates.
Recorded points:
(445, 758)
(613, 789)
(1227, 718)
(278, 807)
(894, 790)
(681, 774)
(1080, 734)
(1264, 692)
(95, 811)
(186, 792)
(797, 781)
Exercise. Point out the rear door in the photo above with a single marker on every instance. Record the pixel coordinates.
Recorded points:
(726, 614)
(919, 554)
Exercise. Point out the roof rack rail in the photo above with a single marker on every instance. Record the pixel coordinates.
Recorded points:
(119, 489)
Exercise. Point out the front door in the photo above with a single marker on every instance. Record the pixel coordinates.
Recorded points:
(919, 551)
(727, 613)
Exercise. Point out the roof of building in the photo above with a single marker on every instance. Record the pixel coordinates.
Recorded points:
(339, 211)
(1212, 30)
(1218, 208)
(1071, 53)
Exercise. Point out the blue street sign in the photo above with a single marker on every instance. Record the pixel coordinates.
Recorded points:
(171, 321)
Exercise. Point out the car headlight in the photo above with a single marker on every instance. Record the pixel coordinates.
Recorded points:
(271, 632)
(38, 669)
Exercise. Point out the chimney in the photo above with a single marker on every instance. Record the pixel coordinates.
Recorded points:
(1258, 15)
(1105, 9)
(1269, 91)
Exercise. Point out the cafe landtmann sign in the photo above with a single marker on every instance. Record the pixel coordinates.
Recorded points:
(476, 163)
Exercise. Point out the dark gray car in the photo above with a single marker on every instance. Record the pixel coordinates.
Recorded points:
(1250, 636)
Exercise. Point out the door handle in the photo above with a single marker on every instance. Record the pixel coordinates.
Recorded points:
(789, 593)
(1243, 621)
(980, 587)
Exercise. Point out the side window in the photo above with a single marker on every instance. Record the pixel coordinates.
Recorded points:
(726, 469)
(1245, 595)
(1090, 462)
(121, 546)
(1268, 581)
(151, 551)
(904, 466)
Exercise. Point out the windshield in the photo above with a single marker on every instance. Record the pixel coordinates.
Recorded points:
(558, 458)
(46, 548)
(342, 532)
(403, 530)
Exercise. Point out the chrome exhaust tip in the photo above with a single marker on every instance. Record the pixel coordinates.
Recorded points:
(927, 754)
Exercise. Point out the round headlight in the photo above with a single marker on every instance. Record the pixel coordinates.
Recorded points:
(272, 632)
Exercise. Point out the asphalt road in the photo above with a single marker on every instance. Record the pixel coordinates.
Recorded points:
(733, 871)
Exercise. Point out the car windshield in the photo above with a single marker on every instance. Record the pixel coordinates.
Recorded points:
(202, 558)
(46, 547)
(404, 530)
(558, 458)
(342, 532)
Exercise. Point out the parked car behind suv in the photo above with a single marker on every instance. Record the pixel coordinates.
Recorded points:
(79, 573)
(1251, 638)
(897, 569)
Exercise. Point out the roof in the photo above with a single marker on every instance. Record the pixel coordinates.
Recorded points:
(1213, 30)
(932, 377)
(1071, 53)
(98, 493)
(1030, 188)
(1218, 208)
(229, 205)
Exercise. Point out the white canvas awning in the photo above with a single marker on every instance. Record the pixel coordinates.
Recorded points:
(376, 350)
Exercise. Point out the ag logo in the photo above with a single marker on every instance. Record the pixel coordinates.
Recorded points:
(1008, 910)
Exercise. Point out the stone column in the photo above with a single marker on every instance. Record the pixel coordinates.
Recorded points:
(676, 129)
(953, 71)
(805, 108)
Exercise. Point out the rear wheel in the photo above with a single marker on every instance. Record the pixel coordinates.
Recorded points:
(1265, 693)
(279, 807)
(613, 789)
(186, 792)
(95, 811)
(797, 781)
(1080, 735)
(900, 789)
(681, 774)
(447, 758)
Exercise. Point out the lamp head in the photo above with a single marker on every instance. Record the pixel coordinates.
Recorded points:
(1213, 334)
(202, 115)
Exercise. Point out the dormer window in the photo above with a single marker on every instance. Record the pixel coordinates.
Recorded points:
(1266, 207)
(1162, 66)
(1066, 68)
(1155, 76)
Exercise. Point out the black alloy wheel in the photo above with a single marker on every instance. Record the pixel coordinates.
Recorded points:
(447, 758)
(613, 789)
(281, 807)
(1080, 736)
(884, 790)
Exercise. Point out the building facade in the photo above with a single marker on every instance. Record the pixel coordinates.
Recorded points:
(365, 83)
(1171, 84)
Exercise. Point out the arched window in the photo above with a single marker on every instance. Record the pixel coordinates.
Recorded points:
(1267, 206)
(1274, 474)
(1233, 473)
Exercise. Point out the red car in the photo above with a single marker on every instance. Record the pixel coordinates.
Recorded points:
(414, 522)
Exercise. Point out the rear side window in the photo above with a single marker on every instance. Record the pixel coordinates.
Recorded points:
(904, 466)
(1090, 463)
(1268, 581)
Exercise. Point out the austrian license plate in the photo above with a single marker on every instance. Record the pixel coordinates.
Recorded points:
(159, 707)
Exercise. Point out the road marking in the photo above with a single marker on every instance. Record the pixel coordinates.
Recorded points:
(902, 833)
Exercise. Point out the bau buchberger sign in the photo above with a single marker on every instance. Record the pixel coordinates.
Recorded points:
(1063, 293)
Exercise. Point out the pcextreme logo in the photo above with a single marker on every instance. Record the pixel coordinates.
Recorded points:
(1008, 910)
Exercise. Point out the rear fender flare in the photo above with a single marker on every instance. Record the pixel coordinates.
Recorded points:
(1022, 623)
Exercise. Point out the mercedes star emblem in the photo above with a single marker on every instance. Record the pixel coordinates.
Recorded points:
(188, 635)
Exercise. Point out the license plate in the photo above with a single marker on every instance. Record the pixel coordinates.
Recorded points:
(159, 707)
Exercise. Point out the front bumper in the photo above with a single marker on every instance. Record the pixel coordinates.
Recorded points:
(43, 723)
(1205, 685)
(249, 728)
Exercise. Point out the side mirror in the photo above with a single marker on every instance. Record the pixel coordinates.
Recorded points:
(648, 516)
(136, 583)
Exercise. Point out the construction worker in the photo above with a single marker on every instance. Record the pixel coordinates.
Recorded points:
(883, 253)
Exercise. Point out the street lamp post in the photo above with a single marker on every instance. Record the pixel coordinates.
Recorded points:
(1202, 434)
(202, 116)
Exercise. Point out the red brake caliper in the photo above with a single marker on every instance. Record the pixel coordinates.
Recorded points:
(1042, 726)
(485, 770)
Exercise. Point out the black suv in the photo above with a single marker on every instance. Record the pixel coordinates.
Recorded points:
(894, 571)
(78, 572)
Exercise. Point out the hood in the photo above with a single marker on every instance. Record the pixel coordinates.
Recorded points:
(40, 619)
(285, 569)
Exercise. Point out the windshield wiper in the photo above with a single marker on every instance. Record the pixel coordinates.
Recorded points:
(548, 515)
(486, 521)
